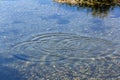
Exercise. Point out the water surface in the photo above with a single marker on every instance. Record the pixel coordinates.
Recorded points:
(42, 39)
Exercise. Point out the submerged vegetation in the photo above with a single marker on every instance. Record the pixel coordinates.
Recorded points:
(99, 8)
(90, 2)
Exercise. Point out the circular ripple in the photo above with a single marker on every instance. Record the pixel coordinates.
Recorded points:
(60, 46)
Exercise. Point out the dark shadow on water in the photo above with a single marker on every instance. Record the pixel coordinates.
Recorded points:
(7, 73)
(59, 18)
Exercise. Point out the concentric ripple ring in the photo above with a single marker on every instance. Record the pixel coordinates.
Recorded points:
(59, 46)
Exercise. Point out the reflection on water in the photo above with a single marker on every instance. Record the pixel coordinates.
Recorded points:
(99, 8)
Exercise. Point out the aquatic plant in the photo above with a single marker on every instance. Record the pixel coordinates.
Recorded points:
(90, 2)
(98, 8)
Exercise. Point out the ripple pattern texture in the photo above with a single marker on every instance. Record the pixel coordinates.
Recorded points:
(51, 47)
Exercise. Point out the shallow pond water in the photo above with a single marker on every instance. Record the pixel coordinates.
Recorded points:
(46, 40)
